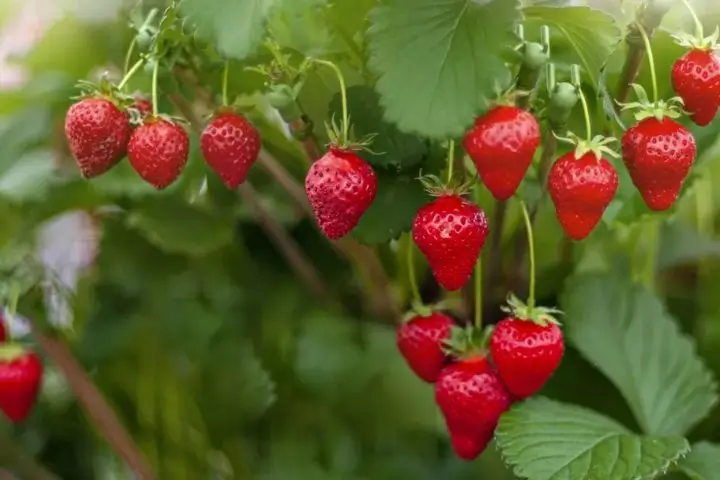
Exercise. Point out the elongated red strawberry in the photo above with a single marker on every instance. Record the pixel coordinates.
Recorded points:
(527, 347)
(581, 188)
(230, 145)
(340, 187)
(658, 155)
(696, 79)
(450, 231)
(97, 132)
(471, 398)
(502, 144)
(3, 328)
(158, 151)
(420, 341)
(20, 376)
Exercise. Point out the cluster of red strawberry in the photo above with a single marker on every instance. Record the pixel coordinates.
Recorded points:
(20, 376)
(473, 389)
(103, 127)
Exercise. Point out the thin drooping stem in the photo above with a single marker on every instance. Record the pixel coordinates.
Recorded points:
(450, 161)
(343, 96)
(577, 81)
(128, 55)
(651, 61)
(698, 26)
(136, 66)
(226, 74)
(478, 278)
(414, 289)
(531, 254)
(156, 68)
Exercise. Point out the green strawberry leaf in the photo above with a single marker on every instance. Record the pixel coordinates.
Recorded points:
(235, 28)
(393, 147)
(300, 25)
(178, 227)
(439, 61)
(626, 332)
(547, 440)
(581, 35)
(121, 181)
(398, 199)
(703, 462)
(681, 243)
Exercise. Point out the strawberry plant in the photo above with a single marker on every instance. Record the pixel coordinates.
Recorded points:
(368, 239)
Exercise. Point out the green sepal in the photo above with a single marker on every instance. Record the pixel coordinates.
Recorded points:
(465, 342)
(598, 145)
(11, 351)
(697, 41)
(436, 187)
(542, 316)
(672, 108)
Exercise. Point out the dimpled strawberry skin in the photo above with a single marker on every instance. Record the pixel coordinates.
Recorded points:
(696, 79)
(97, 133)
(526, 354)
(19, 386)
(581, 189)
(471, 397)
(420, 342)
(658, 155)
(230, 145)
(340, 187)
(502, 144)
(450, 232)
(470, 446)
(158, 151)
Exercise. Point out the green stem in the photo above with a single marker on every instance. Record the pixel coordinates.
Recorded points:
(651, 60)
(130, 73)
(586, 113)
(156, 69)
(451, 161)
(698, 26)
(226, 74)
(531, 254)
(128, 55)
(478, 278)
(653, 244)
(414, 289)
(343, 96)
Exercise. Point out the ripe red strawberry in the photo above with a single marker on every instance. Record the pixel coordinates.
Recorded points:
(526, 354)
(230, 145)
(696, 79)
(658, 155)
(3, 328)
(581, 189)
(340, 187)
(420, 343)
(143, 105)
(97, 132)
(471, 398)
(502, 144)
(20, 375)
(158, 151)
(450, 232)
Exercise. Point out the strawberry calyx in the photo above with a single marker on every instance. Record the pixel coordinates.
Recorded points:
(103, 89)
(150, 119)
(672, 108)
(11, 351)
(598, 145)
(337, 139)
(436, 187)
(418, 309)
(698, 41)
(542, 316)
(466, 342)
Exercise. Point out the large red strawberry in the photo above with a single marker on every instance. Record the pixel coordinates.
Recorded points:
(696, 79)
(502, 144)
(420, 341)
(340, 187)
(20, 376)
(471, 398)
(526, 348)
(97, 132)
(230, 145)
(450, 231)
(658, 155)
(581, 188)
(158, 151)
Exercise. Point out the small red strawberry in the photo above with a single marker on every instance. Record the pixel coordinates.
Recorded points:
(502, 144)
(143, 105)
(472, 398)
(158, 151)
(97, 132)
(581, 187)
(450, 231)
(340, 187)
(20, 376)
(658, 154)
(420, 341)
(526, 348)
(230, 145)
